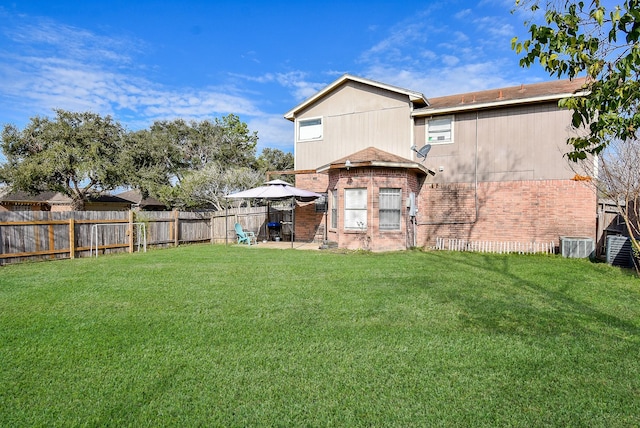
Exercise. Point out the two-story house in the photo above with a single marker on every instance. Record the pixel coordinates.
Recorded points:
(401, 170)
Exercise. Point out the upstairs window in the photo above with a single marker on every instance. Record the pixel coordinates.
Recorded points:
(310, 129)
(440, 130)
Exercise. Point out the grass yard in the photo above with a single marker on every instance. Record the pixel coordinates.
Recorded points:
(235, 336)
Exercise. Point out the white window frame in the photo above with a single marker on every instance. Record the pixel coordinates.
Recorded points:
(440, 131)
(390, 204)
(355, 208)
(315, 131)
(334, 209)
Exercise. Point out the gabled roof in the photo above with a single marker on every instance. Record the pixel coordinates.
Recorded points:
(415, 97)
(54, 198)
(60, 199)
(135, 196)
(25, 197)
(372, 157)
(523, 94)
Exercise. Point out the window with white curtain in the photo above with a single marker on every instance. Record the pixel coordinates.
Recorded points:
(355, 209)
(390, 208)
(310, 129)
(440, 130)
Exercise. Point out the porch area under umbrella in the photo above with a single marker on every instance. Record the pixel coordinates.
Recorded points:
(278, 190)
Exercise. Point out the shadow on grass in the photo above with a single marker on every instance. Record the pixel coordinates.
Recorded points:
(507, 295)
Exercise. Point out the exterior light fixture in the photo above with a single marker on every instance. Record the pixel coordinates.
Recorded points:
(347, 164)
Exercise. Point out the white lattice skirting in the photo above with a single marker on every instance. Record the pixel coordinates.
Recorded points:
(449, 244)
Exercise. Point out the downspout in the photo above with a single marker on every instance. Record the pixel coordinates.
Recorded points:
(293, 218)
(412, 136)
(475, 184)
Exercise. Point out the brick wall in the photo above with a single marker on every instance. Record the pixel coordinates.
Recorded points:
(516, 211)
(307, 219)
(314, 182)
(307, 222)
(372, 238)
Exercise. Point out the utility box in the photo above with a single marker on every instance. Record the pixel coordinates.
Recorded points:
(619, 252)
(576, 247)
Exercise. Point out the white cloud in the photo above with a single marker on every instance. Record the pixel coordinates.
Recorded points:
(443, 81)
(73, 69)
(440, 57)
(495, 26)
(463, 13)
(273, 131)
(297, 82)
(450, 60)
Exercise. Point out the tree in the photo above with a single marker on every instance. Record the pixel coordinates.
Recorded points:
(76, 154)
(208, 186)
(587, 39)
(275, 160)
(226, 141)
(156, 160)
(619, 181)
(83, 154)
(616, 179)
(206, 159)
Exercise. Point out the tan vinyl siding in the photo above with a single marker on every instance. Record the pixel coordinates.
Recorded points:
(356, 116)
(517, 143)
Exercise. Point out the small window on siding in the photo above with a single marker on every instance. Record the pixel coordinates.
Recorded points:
(390, 208)
(355, 209)
(310, 129)
(440, 130)
(334, 209)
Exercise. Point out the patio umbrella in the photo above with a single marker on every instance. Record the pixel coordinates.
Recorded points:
(278, 190)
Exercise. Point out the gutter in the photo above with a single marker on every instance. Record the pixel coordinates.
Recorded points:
(480, 106)
(404, 165)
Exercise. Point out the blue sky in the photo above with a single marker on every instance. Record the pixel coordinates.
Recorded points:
(141, 60)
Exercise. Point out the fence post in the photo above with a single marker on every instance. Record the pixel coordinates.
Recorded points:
(211, 228)
(52, 241)
(176, 229)
(130, 231)
(72, 238)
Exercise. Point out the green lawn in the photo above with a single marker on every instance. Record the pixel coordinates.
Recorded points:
(234, 336)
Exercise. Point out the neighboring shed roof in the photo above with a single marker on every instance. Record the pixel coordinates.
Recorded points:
(59, 198)
(372, 157)
(135, 196)
(55, 198)
(522, 94)
(24, 197)
(415, 97)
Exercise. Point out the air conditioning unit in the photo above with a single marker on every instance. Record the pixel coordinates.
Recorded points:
(619, 251)
(574, 247)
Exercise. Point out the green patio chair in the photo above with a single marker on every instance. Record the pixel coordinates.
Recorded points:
(244, 236)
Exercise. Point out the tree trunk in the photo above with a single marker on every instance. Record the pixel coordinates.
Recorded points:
(77, 204)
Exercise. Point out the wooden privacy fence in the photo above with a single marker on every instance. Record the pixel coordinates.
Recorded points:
(38, 235)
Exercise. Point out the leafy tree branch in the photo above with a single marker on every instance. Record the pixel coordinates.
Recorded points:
(586, 38)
